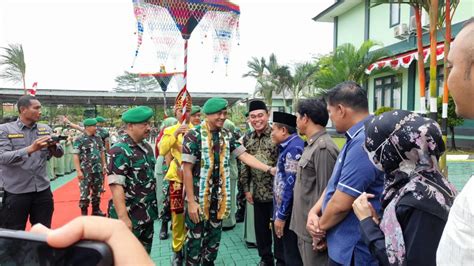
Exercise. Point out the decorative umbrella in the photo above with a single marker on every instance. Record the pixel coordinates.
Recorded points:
(169, 19)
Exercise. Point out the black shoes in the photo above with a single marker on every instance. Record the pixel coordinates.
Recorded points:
(251, 245)
(84, 211)
(164, 231)
(265, 263)
(97, 212)
(177, 258)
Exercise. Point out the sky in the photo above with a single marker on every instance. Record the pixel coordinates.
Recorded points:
(86, 44)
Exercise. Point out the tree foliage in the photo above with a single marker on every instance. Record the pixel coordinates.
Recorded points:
(13, 63)
(131, 82)
(453, 119)
(347, 63)
(274, 78)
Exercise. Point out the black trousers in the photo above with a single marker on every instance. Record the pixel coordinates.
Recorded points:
(263, 212)
(289, 244)
(37, 206)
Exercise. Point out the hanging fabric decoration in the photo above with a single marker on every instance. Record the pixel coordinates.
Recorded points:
(404, 60)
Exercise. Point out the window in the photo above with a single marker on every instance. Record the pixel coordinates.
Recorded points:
(388, 92)
(394, 14)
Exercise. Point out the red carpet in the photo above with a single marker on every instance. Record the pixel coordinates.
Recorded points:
(66, 200)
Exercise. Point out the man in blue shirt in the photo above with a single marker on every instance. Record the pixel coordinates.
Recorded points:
(290, 147)
(353, 174)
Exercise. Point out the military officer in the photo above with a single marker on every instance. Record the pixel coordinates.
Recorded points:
(207, 149)
(89, 160)
(131, 176)
(195, 115)
(102, 132)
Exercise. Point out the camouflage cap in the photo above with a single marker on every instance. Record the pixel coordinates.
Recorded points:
(137, 114)
(89, 122)
(214, 105)
(100, 119)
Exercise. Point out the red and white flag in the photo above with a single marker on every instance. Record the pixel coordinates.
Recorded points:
(32, 91)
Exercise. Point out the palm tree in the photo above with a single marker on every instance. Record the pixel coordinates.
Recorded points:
(283, 81)
(268, 76)
(347, 63)
(302, 80)
(279, 76)
(14, 65)
(257, 69)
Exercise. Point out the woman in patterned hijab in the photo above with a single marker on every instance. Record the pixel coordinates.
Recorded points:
(416, 198)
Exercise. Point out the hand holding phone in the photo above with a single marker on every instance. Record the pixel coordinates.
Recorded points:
(25, 248)
(126, 248)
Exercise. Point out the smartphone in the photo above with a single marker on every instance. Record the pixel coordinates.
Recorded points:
(25, 248)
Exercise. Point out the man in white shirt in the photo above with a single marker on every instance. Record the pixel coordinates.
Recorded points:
(456, 246)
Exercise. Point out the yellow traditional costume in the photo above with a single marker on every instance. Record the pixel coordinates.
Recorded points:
(169, 143)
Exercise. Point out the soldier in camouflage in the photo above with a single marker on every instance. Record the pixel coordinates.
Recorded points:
(131, 176)
(89, 161)
(102, 132)
(207, 149)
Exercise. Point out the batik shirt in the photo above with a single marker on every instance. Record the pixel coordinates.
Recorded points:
(192, 148)
(89, 149)
(287, 166)
(132, 166)
(262, 147)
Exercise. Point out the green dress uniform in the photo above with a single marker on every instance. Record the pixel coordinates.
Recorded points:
(60, 162)
(160, 171)
(132, 165)
(249, 224)
(50, 169)
(68, 149)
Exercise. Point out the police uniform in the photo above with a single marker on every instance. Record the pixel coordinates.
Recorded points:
(27, 186)
(131, 166)
(89, 149)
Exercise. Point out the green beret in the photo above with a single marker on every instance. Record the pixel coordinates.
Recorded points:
(137, 114)
(195, 109)
(90, 122)
(214, 105)
(100, 119)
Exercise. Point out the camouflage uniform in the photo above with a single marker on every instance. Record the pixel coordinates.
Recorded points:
(89, 149)
(203, 238)
(132, 166)
(103, 134)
